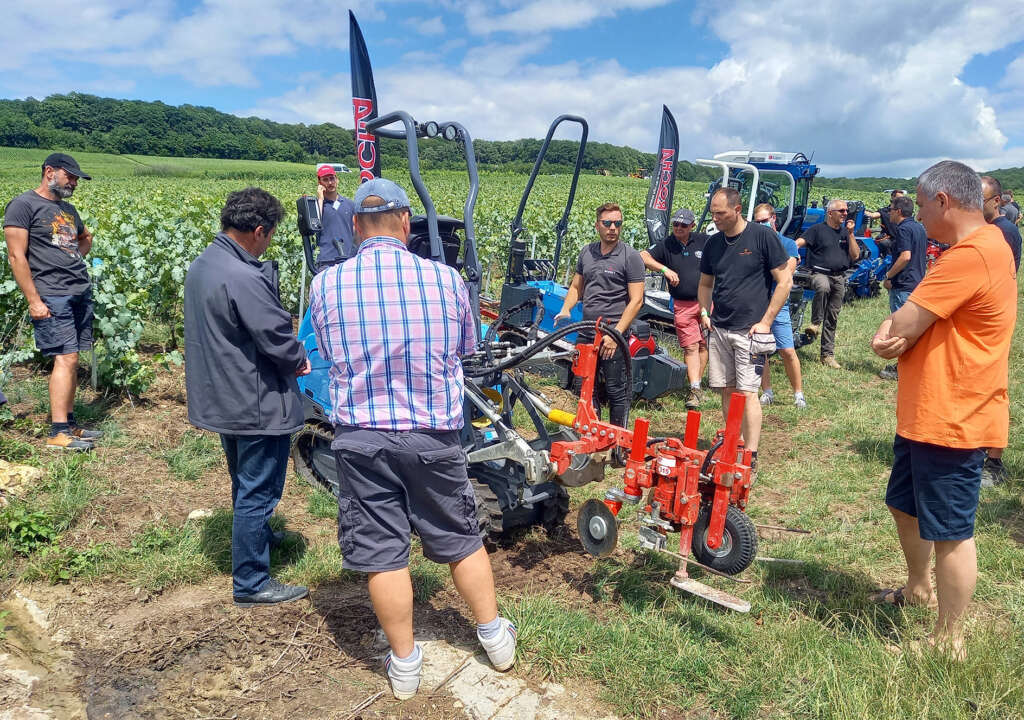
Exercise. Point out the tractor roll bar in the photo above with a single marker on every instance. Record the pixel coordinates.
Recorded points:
(411, 131)
(563, 224)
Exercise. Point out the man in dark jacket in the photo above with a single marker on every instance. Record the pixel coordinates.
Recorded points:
(241, 361)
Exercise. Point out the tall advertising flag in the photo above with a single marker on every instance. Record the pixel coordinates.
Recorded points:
(364, 102)
(663, 177)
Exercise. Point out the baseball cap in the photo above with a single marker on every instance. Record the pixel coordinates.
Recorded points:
(63, 161)
(325, 171)
(682, 215)
(393, 196)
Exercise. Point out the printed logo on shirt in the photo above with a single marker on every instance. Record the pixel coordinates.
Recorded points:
(64, 234)
(746, 251)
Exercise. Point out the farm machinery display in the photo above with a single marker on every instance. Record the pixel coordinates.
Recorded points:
(515, 482)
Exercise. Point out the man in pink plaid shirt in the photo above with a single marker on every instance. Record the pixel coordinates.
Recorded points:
(393, 326)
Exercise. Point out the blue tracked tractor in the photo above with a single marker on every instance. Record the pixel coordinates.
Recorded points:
(514, 480)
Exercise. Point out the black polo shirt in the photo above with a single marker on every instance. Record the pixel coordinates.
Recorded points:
(606, 280)
(742, 267)
(684, 260)
(827, 248)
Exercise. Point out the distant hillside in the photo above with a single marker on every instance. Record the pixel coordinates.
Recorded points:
(85, 122)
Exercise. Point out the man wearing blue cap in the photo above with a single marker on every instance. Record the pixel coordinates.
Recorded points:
(46, 240)
(393, 326)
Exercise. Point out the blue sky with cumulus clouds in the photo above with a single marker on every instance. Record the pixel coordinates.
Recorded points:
(869, 88)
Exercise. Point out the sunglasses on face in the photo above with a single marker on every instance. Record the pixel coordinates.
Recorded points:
(680, 224)
(841, 212)
(609, 223)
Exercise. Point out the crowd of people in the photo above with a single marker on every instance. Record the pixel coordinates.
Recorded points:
(396, 381)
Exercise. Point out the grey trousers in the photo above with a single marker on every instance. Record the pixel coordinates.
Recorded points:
(828, 301)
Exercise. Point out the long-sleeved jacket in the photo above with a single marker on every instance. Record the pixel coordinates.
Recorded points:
(240, 354)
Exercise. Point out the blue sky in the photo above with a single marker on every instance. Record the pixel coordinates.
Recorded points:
(869, 88)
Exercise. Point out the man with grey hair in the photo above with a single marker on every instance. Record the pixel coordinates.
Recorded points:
(952, 338)
(831, 249)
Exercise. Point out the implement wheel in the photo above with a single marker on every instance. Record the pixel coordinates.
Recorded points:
(739, 541)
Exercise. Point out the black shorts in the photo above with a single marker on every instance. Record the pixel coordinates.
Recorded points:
(69, 327)
(390, 483)
(937, 485)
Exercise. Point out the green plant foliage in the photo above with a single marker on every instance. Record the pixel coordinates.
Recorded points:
(26, 530)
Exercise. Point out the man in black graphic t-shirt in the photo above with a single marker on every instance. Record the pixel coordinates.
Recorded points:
(736, 303)
(831, 249)
(45, 243)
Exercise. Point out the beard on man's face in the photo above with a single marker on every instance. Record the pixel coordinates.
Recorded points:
(61, 190)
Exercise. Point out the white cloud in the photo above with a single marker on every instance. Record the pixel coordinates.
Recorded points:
(865, 94)
(543, 15)
(213, 44)
(427, 26)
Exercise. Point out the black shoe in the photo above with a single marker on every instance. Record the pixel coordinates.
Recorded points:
(273, 592)
(277, 537)
(993, 473)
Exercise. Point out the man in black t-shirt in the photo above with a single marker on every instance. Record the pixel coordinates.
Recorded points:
(609, 280)
(885, 240)
(46, 240)
(678, 258)
(737, 268)
(831, 249)
(910, 250)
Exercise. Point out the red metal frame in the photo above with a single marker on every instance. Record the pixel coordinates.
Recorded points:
(670, 467)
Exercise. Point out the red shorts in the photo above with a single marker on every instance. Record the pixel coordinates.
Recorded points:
(688, 328)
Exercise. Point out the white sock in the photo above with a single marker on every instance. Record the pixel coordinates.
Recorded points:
(798, 396)
(695, 386)
(414, 658)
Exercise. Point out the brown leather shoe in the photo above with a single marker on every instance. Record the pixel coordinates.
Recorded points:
(65, 441)
(830, 362)
(812, 331)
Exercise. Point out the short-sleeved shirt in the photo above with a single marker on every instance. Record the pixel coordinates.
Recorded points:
(1012, 235)
(827, 248)
(1010, 212)
(684, 260)
(789, 245)
(953, 381)
(606, 280)
(336, 221)
(53, 256)
(742, 267)
(910, 235)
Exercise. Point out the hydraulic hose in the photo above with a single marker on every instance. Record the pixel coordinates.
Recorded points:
(711, 452)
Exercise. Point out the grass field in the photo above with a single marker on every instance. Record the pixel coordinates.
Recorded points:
(105, 537)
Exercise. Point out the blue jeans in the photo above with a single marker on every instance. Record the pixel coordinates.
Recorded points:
(897, 298)
(258, 465)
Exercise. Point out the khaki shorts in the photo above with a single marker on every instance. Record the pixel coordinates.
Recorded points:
(730, 363)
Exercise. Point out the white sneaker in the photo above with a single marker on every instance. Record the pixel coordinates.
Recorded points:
(403, 676)
(766, 398)
(800, 402)
(501, 649)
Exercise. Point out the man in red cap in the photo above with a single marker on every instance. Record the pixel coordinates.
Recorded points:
(336, 219)
(46, 240)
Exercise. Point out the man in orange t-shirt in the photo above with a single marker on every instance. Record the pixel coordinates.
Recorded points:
(952, 338)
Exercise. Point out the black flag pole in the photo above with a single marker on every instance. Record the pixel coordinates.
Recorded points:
(663, 180)
(364, 102)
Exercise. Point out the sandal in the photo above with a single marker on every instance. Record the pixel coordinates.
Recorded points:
(890, 596)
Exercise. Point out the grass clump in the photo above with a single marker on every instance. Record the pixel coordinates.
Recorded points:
(197, 453)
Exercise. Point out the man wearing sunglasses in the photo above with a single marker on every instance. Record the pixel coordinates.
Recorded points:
(831, 249)
(610, 281)
(678, 258)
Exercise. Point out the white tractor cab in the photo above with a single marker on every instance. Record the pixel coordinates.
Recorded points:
(780, 178)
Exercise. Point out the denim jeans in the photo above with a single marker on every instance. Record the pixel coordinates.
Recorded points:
(258, 465)
(897, 298)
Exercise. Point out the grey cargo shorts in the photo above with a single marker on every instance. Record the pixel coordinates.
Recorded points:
(390, 483)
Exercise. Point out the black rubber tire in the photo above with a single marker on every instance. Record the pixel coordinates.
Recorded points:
(739, 541)
(313, 459)
(494, 523)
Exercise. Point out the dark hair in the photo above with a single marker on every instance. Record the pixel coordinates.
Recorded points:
(607, 207)
(248, 209)
(896, 193)
(732, 196)
(904, 206)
